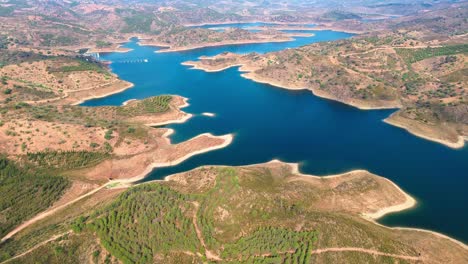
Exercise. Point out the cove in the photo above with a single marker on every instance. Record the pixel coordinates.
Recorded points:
(325, 137)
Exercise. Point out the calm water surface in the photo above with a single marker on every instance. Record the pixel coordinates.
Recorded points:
(221, 27)
(325, 137)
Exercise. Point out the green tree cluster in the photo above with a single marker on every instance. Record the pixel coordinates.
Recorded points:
(144, 221)
(414, 55)
(152, 105)
(270, 242)
(25, 192)
(66, 159)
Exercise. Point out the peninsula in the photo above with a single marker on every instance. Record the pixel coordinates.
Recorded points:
(389, 69)
(81, 148)
(285, 216)
(88, 174)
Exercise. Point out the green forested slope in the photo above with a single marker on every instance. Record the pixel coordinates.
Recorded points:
(24, 193)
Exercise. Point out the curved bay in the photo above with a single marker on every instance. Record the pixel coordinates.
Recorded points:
(326, 137)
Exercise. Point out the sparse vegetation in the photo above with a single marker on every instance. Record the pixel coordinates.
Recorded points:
(370, 71)
(226, 215)
(108, 135)
(66, 249)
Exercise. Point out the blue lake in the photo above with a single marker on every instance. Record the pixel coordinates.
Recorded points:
(248, 26)
(324, 136)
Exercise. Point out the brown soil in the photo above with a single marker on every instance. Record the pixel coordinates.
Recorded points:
(61, 88)
(444, 134)
(204, 45)
(35, 136)
(161, 153)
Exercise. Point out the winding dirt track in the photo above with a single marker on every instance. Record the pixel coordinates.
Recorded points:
(67, 93)
(208, 253)
(392, 48)
(367, 251)
(48, 213)
(36, 246)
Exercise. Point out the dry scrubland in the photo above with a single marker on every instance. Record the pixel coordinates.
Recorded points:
(54, 153)
(65, 169)
(416, 63)
(102, 27)
(57, 79)
(263, 213)
(200, 37)
(56, 26)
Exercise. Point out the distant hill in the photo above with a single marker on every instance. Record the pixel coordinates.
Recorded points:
(339, 15)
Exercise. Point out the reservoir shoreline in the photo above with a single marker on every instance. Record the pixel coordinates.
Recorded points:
(405, 176)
